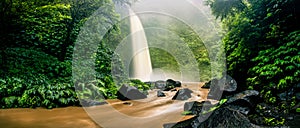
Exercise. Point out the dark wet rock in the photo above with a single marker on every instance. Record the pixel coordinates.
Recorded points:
(178, 84)
(196, 107)
(166, 85)
(129, 93)
(297, 91)
(230, 84)
(224, 117)
(173, 83)
(215, 92)
(88, 103)
(286, 95)
(244, 109)
(297, 86)
(190, 123)
(267, 110)
(282, 96)
(160, 94)
(295, 123)
(207, 85)
(221, 88)
(245, 95)
(298, 96)
(182, 94)
(244, 102)
(160, 84)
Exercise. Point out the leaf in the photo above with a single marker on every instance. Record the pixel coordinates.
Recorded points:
(222, 101)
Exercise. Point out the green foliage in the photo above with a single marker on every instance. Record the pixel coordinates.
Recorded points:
(163, 60)
(277, 69)
(187, 113)
(90, 91)
(222, 101)
(274, 122)
(36, 92)
(262, 46)
(45, 27)
(28, 63)
(36, 79)
(36, 56)
(140, 85)
(298, 110)
(225, 8)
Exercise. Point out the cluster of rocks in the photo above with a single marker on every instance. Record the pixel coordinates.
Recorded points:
(171, 85)
(127, 92)
(231, 113)
(164, 85)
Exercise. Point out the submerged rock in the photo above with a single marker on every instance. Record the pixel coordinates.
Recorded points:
(182, 94)
(127, 92)
(160, 94)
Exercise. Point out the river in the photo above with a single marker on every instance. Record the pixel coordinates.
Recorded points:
(151, 112)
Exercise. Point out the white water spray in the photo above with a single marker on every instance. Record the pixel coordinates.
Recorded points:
(141, 67)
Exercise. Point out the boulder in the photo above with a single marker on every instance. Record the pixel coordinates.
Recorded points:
(127, 92)
(182, 94)
(173, 83)
(208, 84)
(160, 85)
(244, 102)
(195, 107)
(215, 91)
(221, 88)
(230, 84)
(160, 94)
(245, 95)
(223, 117)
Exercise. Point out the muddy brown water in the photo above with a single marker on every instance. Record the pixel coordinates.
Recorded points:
(147, 113)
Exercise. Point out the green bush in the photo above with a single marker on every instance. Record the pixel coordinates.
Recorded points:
(35, 79)
(277, 69)
(21, 62)
(38, 92)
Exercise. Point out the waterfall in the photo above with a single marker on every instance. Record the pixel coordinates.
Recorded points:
(141, 67)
